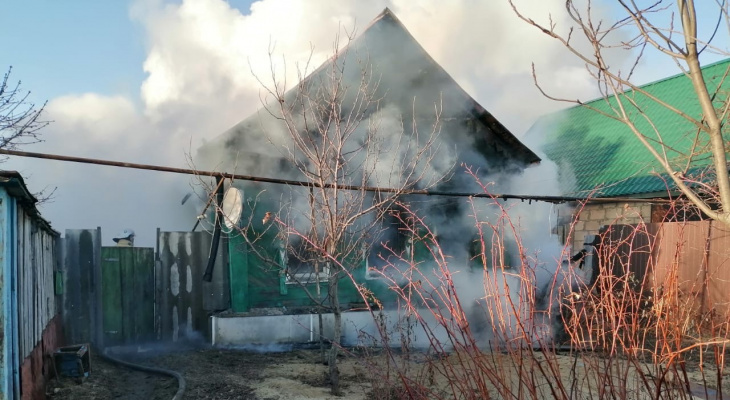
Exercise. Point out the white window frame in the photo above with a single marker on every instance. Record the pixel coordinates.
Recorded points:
(370, 274)
(305, 278)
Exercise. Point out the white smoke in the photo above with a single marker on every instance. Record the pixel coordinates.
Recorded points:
(200, 58)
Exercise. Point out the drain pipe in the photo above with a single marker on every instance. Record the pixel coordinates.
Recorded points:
(208, 276)
(181, 384)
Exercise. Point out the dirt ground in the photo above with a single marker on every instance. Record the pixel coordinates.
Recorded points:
(109, 381)
(236, 374)
(211, 374)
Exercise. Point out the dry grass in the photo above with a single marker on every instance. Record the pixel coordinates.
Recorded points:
(630, 338)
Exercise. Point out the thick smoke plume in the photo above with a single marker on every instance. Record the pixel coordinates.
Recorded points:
(199, 83)
(206, 61)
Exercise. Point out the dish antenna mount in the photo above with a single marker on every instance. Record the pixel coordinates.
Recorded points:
(232, 207)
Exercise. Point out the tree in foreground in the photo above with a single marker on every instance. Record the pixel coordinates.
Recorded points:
(339, 140)
(697, 167)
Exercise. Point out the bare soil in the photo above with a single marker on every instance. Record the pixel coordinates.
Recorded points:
(235, 374)
(110, 381)
(209, 374)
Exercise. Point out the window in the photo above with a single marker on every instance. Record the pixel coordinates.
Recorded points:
(303, 264)
(392, 242)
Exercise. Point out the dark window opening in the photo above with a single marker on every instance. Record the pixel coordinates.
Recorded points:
(304, 263)
(393, 242)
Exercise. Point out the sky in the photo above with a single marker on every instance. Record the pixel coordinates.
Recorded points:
(151, 80)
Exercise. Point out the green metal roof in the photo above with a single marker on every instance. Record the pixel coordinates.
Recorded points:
(599, 154)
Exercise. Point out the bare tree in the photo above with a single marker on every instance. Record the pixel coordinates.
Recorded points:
(20, 123)
(671, 30)
(20, 120)
(337, 143)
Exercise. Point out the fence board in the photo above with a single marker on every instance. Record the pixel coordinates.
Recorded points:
(111, 297)
(183, 298)
(691, 257)
(128, 292)
(718, 296)
(82, 301)
(144, 288)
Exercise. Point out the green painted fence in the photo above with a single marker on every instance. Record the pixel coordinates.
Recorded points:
(128, 285)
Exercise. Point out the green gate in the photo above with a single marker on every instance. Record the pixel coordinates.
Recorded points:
(128, 294)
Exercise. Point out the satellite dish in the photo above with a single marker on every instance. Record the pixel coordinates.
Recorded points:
(232, 207)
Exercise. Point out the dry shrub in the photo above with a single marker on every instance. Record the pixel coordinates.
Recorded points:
(625, 333)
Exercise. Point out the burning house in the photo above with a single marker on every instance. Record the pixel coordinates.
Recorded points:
(412, 95)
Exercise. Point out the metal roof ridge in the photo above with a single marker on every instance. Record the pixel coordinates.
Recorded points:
(644, 85)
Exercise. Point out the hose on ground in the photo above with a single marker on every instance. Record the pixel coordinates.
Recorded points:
(153, 370)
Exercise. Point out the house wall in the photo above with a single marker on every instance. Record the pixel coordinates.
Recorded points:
(31, 326)
(37, 368)
(592, 217)
(255, 283)
(8, 318)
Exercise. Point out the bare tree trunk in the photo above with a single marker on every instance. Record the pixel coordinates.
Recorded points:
(335, 302)
(717, 142)
(320, 324)
(323, 358)
(334, 145)
(322, 351)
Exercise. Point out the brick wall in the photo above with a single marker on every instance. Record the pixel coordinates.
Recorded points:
(37, 368)
(590, 219)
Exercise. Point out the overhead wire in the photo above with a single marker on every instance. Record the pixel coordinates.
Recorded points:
(290, 182)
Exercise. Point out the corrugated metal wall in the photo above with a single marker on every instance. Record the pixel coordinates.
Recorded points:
(183, 299)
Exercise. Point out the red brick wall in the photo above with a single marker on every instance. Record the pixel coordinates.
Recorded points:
(37, 368)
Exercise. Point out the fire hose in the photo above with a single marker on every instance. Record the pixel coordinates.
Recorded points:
(153, 370)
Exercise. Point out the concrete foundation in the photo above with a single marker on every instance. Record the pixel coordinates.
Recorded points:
(358, 328)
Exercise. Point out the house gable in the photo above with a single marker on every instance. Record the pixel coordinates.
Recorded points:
(408, 81)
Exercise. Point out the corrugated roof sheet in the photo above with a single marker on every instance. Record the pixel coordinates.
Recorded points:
(601, 155)
(14, 184)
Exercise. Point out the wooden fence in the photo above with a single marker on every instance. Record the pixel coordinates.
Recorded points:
(82, 318)
(183, 299)
(128, 295)
(691, 257)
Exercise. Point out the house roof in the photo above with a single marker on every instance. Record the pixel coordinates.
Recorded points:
(600, 155)
(14, 184)
(408, 78)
